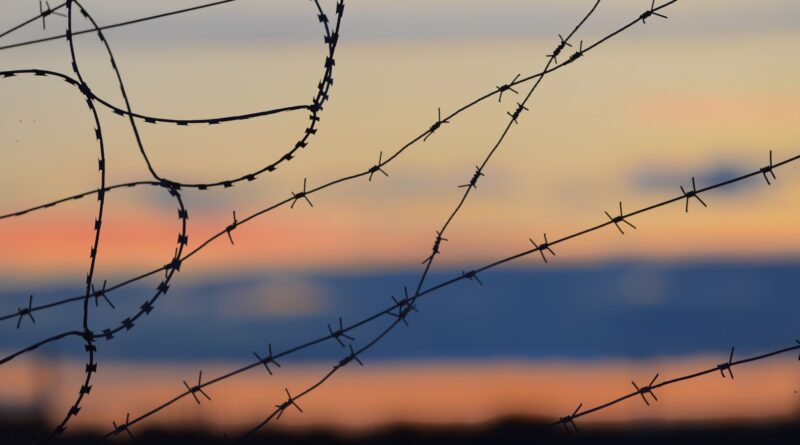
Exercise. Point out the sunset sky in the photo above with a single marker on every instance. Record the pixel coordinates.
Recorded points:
(705, 94)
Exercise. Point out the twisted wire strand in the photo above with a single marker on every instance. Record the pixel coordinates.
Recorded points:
(402, 308)
(569, 420)
(85, 31)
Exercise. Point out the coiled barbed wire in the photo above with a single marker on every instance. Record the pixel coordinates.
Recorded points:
(331, 40)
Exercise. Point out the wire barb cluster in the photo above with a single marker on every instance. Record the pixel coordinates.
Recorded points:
(692, 194)
(267, 360)
(621, 219)
(545, 246)
(193, 390)
(648, 389)
(26, 311)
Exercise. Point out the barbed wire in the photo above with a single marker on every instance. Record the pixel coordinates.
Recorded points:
(403, 307)
(49, 10)
(569, 420)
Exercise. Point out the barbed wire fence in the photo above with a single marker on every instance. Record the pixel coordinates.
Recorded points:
(343, 334)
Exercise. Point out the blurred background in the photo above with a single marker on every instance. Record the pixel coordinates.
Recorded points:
(705, 94)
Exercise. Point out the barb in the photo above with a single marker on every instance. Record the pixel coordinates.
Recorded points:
(101, 293)
(403, 307)
(377, 167)
(562, 44)
(287, 404)
(435, 249)
(543, 247)
(577, 54)
(727, 366)
(472, 276)
(515, 115)
(436, 125)
(473, 182)
(44, 12)
(768, 169)
(339, 333)
(692, 194)
(646, 390)
(123, 427)
(353, 356)
(302, 195)
(507, 87)
(197, 388)
(268, 359)
(23, 311)
(621, 218)
(651, 12)
(232, 227)
(569, 420)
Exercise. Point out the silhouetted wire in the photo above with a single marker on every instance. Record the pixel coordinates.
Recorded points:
(41, 15)
(368, 172)
(115, 25)
(403, 307)
(569, 420)
(91, 366)
(331, 39)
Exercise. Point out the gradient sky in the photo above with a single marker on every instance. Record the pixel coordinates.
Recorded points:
(706, 93)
